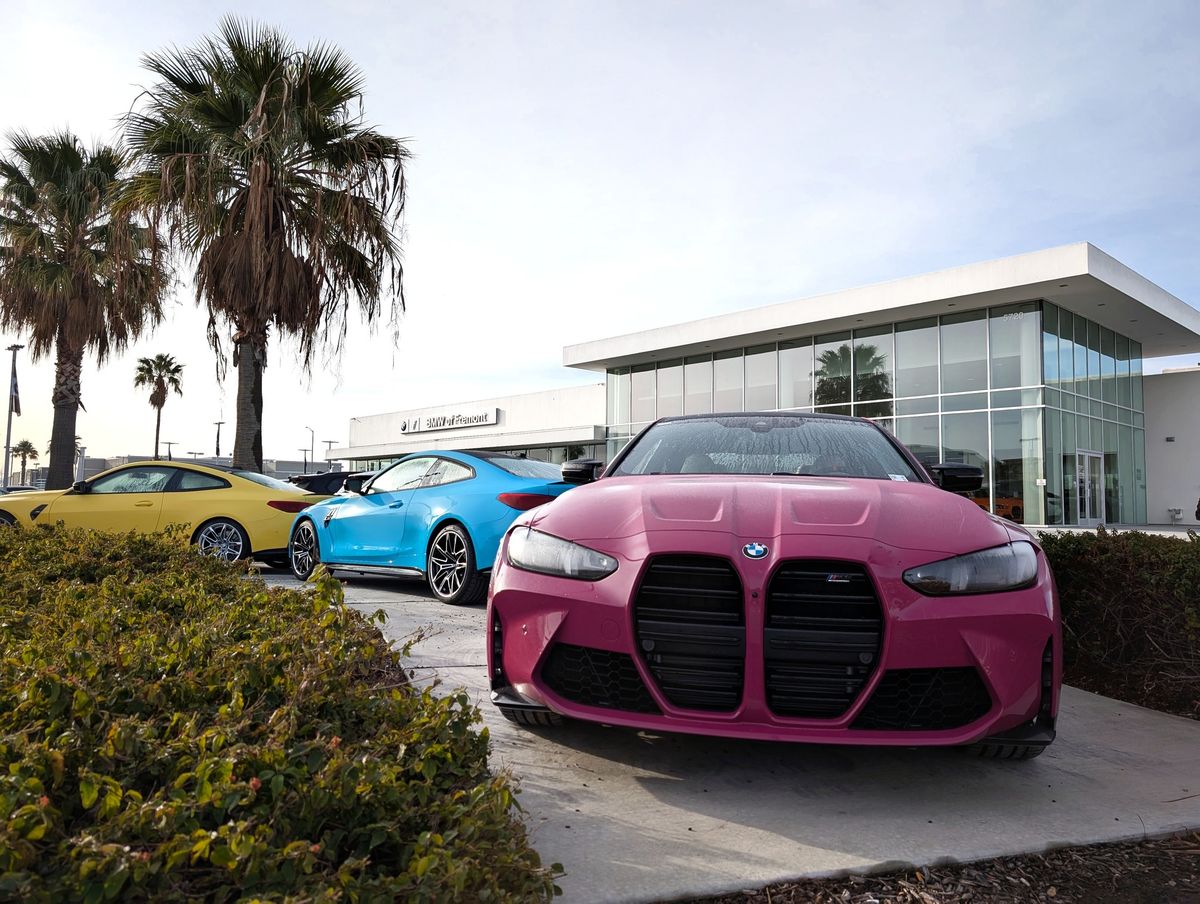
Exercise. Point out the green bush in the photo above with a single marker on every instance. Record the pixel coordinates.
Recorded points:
(172, 729)
(1131, 615)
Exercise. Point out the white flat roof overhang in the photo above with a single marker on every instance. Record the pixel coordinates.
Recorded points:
(1080, 277)
(564, 436)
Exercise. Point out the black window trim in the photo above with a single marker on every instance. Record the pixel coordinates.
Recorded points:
(129, 466)
(454, 461)
(432, 458)
(173, 484)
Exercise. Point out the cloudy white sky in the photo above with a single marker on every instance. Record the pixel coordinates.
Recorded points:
(592, 168)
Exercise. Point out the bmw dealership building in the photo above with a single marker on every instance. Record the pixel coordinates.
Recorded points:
(1030, 367)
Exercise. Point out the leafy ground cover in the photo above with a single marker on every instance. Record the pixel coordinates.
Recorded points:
(171, 730)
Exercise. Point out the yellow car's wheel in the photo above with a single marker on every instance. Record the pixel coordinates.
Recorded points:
(223, 539)
(7, 520)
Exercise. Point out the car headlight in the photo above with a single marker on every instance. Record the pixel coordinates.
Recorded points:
(1000, 568)
(533, 550)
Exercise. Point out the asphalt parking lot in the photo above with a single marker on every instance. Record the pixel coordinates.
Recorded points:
(634, 816)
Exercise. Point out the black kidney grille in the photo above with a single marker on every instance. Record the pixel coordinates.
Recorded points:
(925, 700)
(691, 630)
(596, 678)
(822, 636)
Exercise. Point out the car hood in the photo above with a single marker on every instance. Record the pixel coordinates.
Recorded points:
(900, 514)
(37, 497)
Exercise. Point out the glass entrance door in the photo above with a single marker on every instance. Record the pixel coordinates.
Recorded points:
(1091, 488)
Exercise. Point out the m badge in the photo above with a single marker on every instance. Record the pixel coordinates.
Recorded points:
(754, 550)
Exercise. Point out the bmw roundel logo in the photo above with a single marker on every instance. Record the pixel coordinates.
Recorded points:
(754, 550)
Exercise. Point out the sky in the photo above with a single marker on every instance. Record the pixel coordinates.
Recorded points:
(589, 169)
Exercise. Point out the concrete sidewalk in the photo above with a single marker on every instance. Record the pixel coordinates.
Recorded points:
(643, 817)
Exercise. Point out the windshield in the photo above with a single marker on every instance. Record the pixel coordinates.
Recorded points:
(269, 482)
(522, 467)
(767, 444)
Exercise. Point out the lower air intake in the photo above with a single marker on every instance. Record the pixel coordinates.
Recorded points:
(925, 700)
(596, 678)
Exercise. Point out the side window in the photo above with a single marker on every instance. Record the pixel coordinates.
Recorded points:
(403, 476)
(134, 480)
(195, 480)
(445, 471)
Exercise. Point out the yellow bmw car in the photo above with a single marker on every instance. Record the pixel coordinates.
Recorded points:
(231, 514)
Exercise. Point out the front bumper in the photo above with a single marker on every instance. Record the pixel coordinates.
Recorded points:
(944, 671)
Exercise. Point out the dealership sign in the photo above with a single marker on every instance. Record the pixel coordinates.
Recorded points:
(453, 421)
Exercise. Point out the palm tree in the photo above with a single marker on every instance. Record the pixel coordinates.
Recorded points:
(76, 276)
(25, 451)
(256, 158)
(162, 374)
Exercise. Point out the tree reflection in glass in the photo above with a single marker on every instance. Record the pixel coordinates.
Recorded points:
(864, 365)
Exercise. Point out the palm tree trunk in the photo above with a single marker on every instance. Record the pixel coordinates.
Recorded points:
(68, 372)
(249, 358)
(157, 428)
(24, 460)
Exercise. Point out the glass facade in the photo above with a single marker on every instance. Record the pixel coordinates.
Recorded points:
(1047, 402)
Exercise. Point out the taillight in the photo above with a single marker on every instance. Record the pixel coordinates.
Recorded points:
(288, 505)
(523, 502)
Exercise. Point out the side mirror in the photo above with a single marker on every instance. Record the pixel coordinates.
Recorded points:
(81, 486)
(957, 478)
(354, 484)
(582, 470)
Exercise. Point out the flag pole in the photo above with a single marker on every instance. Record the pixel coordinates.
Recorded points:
(12, 402)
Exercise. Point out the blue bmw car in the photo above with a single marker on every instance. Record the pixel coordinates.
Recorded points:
(435, 515)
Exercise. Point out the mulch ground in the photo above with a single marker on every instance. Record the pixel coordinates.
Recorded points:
(1148, 687)
(1147, 872)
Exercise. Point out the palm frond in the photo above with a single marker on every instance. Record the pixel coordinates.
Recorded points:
(252, 156)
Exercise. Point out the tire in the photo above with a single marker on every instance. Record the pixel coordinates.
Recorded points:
(304, 551)
(532, 718)
(224, 539)
(990, 751)
(7, 520)
(450, 568)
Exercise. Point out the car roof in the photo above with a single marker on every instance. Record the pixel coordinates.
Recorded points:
(824, 415)
(215, 470)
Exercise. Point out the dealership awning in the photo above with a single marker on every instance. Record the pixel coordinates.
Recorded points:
(1080, 277)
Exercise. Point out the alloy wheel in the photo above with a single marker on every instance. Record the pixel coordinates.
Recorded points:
(448, 561)
(304, 550)
(222, 539)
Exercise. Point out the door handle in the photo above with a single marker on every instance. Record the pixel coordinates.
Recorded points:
(396, 505)
(143, 504)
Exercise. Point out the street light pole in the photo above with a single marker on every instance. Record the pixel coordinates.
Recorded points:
(311, 445)
(169, 445)
(304, 449)
(218, 423)
(12, 385)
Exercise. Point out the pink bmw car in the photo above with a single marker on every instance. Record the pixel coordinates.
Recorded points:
(778, 577)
